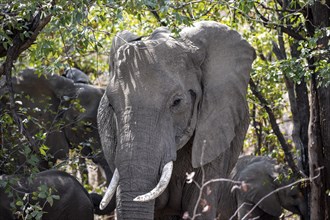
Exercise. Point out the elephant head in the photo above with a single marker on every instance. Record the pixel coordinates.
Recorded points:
(164, 92)
(262, 176)
(76, 75)
(65, 111)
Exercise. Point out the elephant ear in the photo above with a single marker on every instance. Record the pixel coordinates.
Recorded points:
(259, 180)
(105, 123)
(223, 116)
(120, 39)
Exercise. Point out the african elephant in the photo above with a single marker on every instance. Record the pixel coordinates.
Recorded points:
(63, 110)
(260, 176)
(174, 106)
(73, 202)
(76, 75)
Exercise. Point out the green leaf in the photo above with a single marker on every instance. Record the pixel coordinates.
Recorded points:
(42, 195)
(43, 150)
(57, 197)
(50, 200)
(19, 203)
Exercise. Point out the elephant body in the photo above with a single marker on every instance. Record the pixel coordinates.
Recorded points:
(73, 203)
(260, 176)
(63, 110)
(173, 106)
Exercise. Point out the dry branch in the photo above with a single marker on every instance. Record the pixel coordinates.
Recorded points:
(12, 53)
(275, 127)
(21, 45)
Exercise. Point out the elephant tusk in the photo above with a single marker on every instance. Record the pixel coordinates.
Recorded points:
(110, 190)
(161, 186)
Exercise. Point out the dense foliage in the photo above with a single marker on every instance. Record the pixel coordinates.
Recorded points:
(290, 38)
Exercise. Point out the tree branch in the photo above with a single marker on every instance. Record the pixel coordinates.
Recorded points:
(292, 33)
(284, 29)
(293, 98)
(275, 127)
(37, 25)
(258, 129)
(156, 15)
(184, 4)
(12, 53)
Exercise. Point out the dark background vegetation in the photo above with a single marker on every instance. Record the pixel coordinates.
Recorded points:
(289, 94)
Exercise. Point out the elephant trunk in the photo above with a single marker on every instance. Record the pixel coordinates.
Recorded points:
(128, 209)
(134, 182)
(143, 150)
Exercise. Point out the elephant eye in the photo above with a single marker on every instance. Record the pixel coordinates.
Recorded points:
(176, 102)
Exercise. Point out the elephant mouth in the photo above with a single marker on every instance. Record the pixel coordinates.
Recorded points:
(183, 137)
(153, 194)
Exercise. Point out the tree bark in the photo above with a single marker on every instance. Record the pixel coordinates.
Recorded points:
(258, 130)
(300, 115)
(319, 135)
(324, 100)
(315, 156)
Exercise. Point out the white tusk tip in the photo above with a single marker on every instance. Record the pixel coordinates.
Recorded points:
(103, 205)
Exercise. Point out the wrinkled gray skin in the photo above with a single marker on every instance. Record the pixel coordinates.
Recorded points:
(74, 202)
(261, 176)
(76, 75)
(50, 102)
(174, 99)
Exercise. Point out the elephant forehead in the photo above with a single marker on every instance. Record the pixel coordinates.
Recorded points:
(150, 67)
(150, 58)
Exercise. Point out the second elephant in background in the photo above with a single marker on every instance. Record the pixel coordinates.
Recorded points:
(261, 176)
(60, 112)
(58, 193)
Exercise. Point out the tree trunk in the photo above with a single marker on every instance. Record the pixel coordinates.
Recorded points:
(324, 100)
(300, 115)
(319, 149)
(315, 156)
